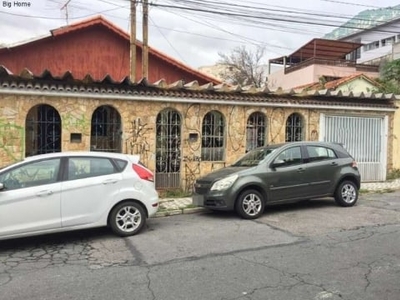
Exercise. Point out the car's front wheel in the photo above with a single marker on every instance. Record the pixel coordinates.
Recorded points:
(250, 204)
(127, 218)
(346, 193)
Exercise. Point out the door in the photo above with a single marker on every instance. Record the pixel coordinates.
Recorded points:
(287, 180)
(168, 149)
(30, 200)
(321, 168)
(92, 184)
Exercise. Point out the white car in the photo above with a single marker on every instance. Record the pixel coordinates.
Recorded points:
(75, 190)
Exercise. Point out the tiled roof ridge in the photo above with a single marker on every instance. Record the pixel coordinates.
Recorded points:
(333, 84)
(66, 83)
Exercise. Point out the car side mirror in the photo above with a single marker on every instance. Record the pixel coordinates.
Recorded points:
(278, 163)
(1, 186)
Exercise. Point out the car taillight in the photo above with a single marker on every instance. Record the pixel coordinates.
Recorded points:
(354, 164)
(142, 172)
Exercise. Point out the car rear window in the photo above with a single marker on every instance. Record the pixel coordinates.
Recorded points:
(318, 153)
(121, 164)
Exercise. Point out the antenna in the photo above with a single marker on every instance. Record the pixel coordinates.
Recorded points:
(65, 6)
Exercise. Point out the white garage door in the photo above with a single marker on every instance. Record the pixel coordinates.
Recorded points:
(364, 137)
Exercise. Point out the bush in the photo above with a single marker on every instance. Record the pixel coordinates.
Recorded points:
(393, 174)
(175, 193)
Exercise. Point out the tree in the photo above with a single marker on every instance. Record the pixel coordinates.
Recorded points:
(243, 66)
(390, 77)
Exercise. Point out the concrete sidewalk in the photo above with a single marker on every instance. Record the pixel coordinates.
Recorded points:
(177, 206)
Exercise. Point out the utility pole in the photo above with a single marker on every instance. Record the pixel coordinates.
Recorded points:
(133, 42)
(145, 49)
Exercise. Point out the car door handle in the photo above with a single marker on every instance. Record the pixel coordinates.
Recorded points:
(300, 170)
(334, 164)
(44, 193)
(110, 181)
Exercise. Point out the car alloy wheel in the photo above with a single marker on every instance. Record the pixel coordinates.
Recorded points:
(346, 194)
(250, 204)
(127, 218)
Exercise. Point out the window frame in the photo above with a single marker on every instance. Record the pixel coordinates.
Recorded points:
(81, 174)
(288, 163)
(56, 178)
(212, 152)
(320, 158)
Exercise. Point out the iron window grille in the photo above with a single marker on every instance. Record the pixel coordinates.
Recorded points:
(255, 131)
(43, 130)
(106, 129)
(213, 137)
(294, 128)
(168, 149)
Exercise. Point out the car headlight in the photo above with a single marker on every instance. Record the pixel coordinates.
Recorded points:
(223, 184)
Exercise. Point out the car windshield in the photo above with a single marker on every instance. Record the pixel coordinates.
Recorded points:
(254, 157)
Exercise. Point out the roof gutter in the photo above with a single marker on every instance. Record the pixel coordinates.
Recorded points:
(187, 100)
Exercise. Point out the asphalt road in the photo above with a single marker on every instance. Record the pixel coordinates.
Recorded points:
(309, 250)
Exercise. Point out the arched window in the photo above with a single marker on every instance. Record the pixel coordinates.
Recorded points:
(42, 130)
(213, 137)
(255, 131)
(294, 128)
(168, 149)
(106, 129)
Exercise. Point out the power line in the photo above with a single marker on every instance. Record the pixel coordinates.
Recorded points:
(169, 43)
(261, 17)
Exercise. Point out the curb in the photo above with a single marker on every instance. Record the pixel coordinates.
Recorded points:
(179, 211)
(174, 209)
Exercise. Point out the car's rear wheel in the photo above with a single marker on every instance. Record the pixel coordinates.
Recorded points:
(346, 193)
(250, 204)
(127, 218)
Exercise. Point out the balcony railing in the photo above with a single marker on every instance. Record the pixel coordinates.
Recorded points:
(336, 63)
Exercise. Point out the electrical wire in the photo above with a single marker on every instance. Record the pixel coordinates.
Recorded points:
(169, 43)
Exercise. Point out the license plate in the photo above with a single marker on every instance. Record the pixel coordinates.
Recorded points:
(198, 200)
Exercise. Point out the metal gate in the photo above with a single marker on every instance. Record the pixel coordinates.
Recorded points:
(168, 149)
(42, 130)
(364, 137)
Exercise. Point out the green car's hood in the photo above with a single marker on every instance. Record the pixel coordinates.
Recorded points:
(222, 173)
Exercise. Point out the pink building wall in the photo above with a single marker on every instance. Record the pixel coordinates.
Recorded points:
(310, 74)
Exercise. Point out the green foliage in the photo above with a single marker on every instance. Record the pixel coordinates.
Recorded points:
(390, 78)
(174, 193)
(391, 71)
(394, 174)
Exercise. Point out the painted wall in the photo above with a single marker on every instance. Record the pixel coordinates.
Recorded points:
(309, 74)
(76, 116)
(94, 50)
(357, 85)
(369, 36)
(396, 138)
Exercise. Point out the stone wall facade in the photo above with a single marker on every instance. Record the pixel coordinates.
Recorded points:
(139, 137)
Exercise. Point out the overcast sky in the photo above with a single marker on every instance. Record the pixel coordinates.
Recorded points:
(194, 31)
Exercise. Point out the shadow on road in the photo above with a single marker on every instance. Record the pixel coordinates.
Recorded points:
(279, 208)
(56, 239)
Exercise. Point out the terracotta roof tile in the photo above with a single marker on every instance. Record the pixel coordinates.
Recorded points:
(186, 92)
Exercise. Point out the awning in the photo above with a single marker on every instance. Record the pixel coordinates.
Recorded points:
(319, 48)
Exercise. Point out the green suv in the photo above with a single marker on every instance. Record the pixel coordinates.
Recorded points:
(280, 173)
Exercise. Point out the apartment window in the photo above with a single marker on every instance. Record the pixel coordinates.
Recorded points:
(388, 41)
(371, 46)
